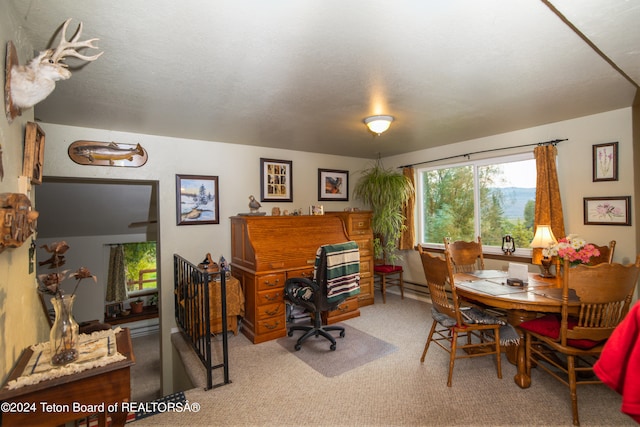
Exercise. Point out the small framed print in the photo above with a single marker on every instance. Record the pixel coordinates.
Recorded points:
(605, 162)
(33, 153)
(333, 185)
(607, 210)
(197, 199)
(276, 180)
(113, 310)
(316, 210)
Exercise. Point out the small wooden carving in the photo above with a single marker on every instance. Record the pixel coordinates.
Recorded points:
(18, 220)
(33, 153)
(107, 154)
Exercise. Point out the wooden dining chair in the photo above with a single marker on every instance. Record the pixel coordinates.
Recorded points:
(449, 322)
(465, 256)
(595, 299)
(606, 253)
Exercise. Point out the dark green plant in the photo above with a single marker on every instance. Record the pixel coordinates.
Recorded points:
(385, 192)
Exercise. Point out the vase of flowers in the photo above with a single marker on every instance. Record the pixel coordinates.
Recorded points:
(63, 337)
(572, 248)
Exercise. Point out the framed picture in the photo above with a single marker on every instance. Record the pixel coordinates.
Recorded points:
(112, 310)
(316, 210)
(333, 185)
(33, 153)
(197, 199)
(276, 180)
(607, 210)
(605, 162)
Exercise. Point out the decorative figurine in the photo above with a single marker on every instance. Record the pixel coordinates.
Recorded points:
(223, 264)
(254, 205)
(275, 211)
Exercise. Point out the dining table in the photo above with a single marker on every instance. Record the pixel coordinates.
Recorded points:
(491, 289)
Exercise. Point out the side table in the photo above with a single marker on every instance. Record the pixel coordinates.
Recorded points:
(84, 392)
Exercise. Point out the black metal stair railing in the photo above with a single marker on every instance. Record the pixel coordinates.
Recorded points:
(192, 314)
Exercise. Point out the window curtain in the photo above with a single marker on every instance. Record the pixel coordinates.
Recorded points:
(548, 201)
(116, 278)
(408, 237)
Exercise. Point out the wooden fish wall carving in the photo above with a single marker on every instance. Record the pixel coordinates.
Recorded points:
(107, 154)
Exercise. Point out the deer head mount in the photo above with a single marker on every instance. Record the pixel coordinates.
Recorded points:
(31, 83)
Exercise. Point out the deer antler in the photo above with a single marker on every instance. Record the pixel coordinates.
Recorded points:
(68, 48)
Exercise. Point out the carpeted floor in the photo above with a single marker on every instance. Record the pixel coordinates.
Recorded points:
(272, 386)
(146, 373)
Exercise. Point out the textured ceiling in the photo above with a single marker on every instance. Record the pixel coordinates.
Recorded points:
(303, 74)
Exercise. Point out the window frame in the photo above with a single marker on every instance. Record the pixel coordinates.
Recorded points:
(522, 250)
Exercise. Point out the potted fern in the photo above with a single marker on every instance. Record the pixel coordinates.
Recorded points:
(385, 192)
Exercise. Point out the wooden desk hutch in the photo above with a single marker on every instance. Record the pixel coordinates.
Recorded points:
(267, 250)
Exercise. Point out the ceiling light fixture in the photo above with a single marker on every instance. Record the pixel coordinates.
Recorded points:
(378, 124)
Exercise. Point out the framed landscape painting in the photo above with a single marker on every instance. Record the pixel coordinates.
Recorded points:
(197, 199)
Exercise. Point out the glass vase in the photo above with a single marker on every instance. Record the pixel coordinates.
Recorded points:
(63, 338)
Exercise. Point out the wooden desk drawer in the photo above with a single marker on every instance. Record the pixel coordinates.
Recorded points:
(271, 325)
(306, 272)
(359, 224)
(346, 310)
(365, 266)
(271, 310)
(365, 247)
(271, 281)
(348, 305)
(270, 297)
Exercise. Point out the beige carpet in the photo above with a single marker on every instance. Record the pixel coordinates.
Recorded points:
(145, 374)
(355, 349)
(273, 387)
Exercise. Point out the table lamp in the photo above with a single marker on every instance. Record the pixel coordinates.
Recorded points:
(543, 239)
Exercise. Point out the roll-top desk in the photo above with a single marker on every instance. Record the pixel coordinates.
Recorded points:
(267, 250)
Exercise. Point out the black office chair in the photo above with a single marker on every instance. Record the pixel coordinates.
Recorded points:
(336, 278)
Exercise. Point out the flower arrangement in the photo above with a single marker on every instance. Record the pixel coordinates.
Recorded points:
(50, 283)
(572, 248)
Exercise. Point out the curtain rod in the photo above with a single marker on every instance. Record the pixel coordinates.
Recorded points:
(552, 142)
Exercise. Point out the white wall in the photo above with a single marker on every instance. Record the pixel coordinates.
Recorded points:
(238, 171)
(574, 165)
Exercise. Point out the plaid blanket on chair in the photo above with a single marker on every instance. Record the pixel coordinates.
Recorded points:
(343, 270)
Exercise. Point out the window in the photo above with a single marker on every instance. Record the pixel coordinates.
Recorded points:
(489, 198)
(140, 267)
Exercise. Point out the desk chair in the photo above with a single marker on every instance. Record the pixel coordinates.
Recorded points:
(606, 253)
(385, 275)
(336, 278)
(449, 323)
(567, 346)
(465, 256)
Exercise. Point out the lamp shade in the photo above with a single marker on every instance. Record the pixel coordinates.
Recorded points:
(544, 237)
(378, 124)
